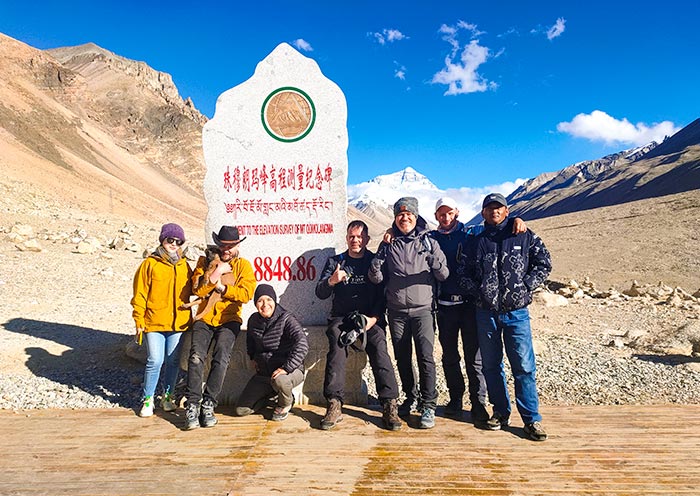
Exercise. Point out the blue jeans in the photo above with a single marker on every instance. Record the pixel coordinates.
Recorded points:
(512, 329)
(163, 347)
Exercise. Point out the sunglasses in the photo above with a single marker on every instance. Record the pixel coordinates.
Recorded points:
(178, 242)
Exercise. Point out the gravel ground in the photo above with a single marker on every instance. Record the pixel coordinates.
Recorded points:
(66, 320)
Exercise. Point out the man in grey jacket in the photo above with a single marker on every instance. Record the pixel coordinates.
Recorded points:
(411, 265)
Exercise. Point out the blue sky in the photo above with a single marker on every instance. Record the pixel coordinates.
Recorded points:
(471, 94)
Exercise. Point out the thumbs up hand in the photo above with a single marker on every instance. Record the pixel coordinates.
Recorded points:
(339, 275)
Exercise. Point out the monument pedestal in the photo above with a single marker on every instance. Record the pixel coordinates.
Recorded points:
(241, 369)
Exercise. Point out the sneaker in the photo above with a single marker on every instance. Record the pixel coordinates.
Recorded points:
(281, 413)
(167, 403)
(390, 415)
(408, 407)
(535, 431)
(497, 422)
(147, 407)
(334, 414)
(453, 409)
(206, 415)
(191, 416)
(427, 418)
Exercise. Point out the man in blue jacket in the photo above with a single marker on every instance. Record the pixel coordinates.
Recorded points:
(503, 270)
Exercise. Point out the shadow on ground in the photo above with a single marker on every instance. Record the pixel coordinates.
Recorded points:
(95, 363)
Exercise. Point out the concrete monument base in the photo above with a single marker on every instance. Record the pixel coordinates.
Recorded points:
(241, 369)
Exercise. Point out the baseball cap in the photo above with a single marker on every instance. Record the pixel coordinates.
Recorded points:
(494, 197)
(445, 201)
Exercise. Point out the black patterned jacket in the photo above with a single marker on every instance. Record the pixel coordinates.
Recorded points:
(502, 269)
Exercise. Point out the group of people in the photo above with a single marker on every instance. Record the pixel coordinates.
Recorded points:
(475, 281)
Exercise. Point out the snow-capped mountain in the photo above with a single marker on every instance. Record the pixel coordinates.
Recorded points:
(381, 193)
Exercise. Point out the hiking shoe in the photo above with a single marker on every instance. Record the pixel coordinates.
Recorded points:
(281, 413)
(408, 407)
(191, 416)
(453, 409)
(206, 415)
(497, 422)
(334, 414)
(146, 407)
(167, 403)
(535, 431)
(480, 415)
(427, 418)
(390, 415)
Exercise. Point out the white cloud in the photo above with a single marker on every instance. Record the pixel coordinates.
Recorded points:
(399, 71)
(302, 44)
(388, 35)
(469, 199)
(556, 30)
(599, 126)
(462, 76)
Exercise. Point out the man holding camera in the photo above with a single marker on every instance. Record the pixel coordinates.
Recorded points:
(345, 278)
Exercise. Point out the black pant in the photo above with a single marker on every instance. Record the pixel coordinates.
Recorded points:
(419, 329)
(223, 336)
(379, 360)
(453, 321)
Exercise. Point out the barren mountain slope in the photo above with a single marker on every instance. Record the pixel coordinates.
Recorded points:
(55, 143)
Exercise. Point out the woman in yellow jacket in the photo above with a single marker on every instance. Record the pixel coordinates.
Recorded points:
(161, 285)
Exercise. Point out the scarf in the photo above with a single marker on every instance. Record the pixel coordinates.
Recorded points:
(173, 258)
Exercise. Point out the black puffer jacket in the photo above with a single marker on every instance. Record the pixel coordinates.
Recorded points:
(277, 342)
(502, 269)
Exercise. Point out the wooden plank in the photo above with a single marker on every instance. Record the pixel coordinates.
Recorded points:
(641, 450)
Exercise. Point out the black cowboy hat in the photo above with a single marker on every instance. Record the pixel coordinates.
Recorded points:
(228, 235)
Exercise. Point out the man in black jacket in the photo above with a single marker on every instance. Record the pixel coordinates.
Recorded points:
(345, 278)
(503, 270)
(277, 346)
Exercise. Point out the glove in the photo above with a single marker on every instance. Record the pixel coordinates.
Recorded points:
(432, 262)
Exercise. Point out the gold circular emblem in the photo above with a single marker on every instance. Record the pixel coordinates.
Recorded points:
(288, 114)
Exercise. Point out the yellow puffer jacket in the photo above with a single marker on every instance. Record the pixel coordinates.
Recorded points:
(159, 289)
(229, 308)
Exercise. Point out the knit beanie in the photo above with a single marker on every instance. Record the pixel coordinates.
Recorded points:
(406, 204)
(264, 290)
(171, 231)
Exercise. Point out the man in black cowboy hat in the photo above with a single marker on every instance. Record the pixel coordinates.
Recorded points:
(220, 325)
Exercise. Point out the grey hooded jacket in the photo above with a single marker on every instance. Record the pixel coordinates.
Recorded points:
(410, 267)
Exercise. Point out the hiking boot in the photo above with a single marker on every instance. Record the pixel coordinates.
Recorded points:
(408, 407)
(390, 415)
(146, 407)
(535, 431)
(497, 422)
(281, 413)
(167, 403)
(191, 416)
(453, 409)
(206, 415)
(334, 414)
(427, 418)
(480, 415)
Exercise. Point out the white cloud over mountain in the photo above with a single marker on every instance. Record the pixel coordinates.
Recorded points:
(386, 189)
(599, 126)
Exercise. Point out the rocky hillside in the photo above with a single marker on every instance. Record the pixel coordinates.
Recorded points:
(87, 130)
(647, 172)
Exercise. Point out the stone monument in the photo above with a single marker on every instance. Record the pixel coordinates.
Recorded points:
(276, 158)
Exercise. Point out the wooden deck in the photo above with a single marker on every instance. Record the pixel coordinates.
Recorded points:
(631, 450)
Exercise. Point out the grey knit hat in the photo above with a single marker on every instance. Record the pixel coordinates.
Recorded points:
(406, 204)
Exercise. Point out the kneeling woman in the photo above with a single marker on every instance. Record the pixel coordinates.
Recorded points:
(277, 345)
